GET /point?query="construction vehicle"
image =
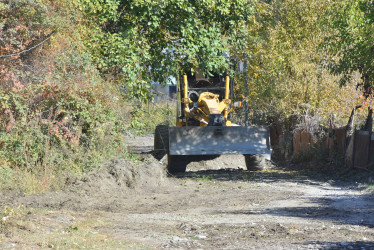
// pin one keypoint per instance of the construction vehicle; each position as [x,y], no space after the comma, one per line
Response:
[203,125]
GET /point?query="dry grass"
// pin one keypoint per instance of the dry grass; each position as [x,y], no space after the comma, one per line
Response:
[30,229]
[145,117]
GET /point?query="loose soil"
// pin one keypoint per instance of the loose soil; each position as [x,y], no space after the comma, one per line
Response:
[216,204]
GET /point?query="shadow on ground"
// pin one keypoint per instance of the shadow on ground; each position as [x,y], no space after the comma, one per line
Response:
[337,177]
[342,245]
[339,208]
[269,176]
[339,199]
[243,175]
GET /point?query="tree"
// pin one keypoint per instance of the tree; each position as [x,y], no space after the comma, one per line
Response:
[353,42]
[145,40]
[286,67]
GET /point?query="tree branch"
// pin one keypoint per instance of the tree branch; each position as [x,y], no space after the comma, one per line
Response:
[29,49]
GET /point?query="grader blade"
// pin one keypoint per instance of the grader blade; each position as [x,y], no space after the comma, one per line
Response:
[219,140]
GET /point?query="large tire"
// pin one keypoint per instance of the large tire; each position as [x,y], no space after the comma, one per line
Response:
[177,163]
[161,142]
[255,162]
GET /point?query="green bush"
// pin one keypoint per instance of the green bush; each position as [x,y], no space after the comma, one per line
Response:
[55,128]
[58,115]
[145,117]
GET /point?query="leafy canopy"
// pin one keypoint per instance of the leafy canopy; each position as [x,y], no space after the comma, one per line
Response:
[147,40]
[353,41]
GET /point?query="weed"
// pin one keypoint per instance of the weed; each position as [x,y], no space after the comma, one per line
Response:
[370,187]
[145,117]
[81,234]
[63,131]
[312,152]
[6,176]
[206,178]
[8,215]
[58,116]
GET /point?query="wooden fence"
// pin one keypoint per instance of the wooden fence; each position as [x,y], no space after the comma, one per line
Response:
[356,146]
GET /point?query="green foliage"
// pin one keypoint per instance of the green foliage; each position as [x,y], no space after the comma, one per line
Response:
[6,176]
[50,125]
[58,117]
[287,73]
[60,105]
[149,40]
[22,22]
[145,118]
[352,42]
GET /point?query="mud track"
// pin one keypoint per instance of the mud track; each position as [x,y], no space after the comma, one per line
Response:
[215,205]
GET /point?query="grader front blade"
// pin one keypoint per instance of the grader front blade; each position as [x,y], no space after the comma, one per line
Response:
[219,140]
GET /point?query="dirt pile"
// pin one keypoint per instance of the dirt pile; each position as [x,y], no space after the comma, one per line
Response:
[201,163]
[216,162]
[122,176]
[104,189]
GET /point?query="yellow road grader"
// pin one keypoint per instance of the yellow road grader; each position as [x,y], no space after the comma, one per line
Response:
[203,125]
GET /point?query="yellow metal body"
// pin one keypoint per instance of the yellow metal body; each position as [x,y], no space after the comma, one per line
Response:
[208,103]
[185,93]
[186,100]
[227,90]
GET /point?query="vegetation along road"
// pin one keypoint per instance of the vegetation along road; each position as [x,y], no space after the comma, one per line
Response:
[77,88]
[214,205]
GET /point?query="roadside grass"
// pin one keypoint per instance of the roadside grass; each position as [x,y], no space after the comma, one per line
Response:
[43,165]
[145,117]
[36,228]
[369,186]
[6,176]
[54,175]
[83,235]
[202,178]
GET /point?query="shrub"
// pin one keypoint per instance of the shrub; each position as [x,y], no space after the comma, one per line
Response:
[54,128]
[145,117]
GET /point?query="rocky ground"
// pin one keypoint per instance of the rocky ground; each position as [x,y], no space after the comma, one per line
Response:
[214,205]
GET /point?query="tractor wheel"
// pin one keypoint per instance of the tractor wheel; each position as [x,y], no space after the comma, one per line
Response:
[161,142]
[177,163]
[255,162]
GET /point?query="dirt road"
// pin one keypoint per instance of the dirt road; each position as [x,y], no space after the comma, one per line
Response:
[127,205]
